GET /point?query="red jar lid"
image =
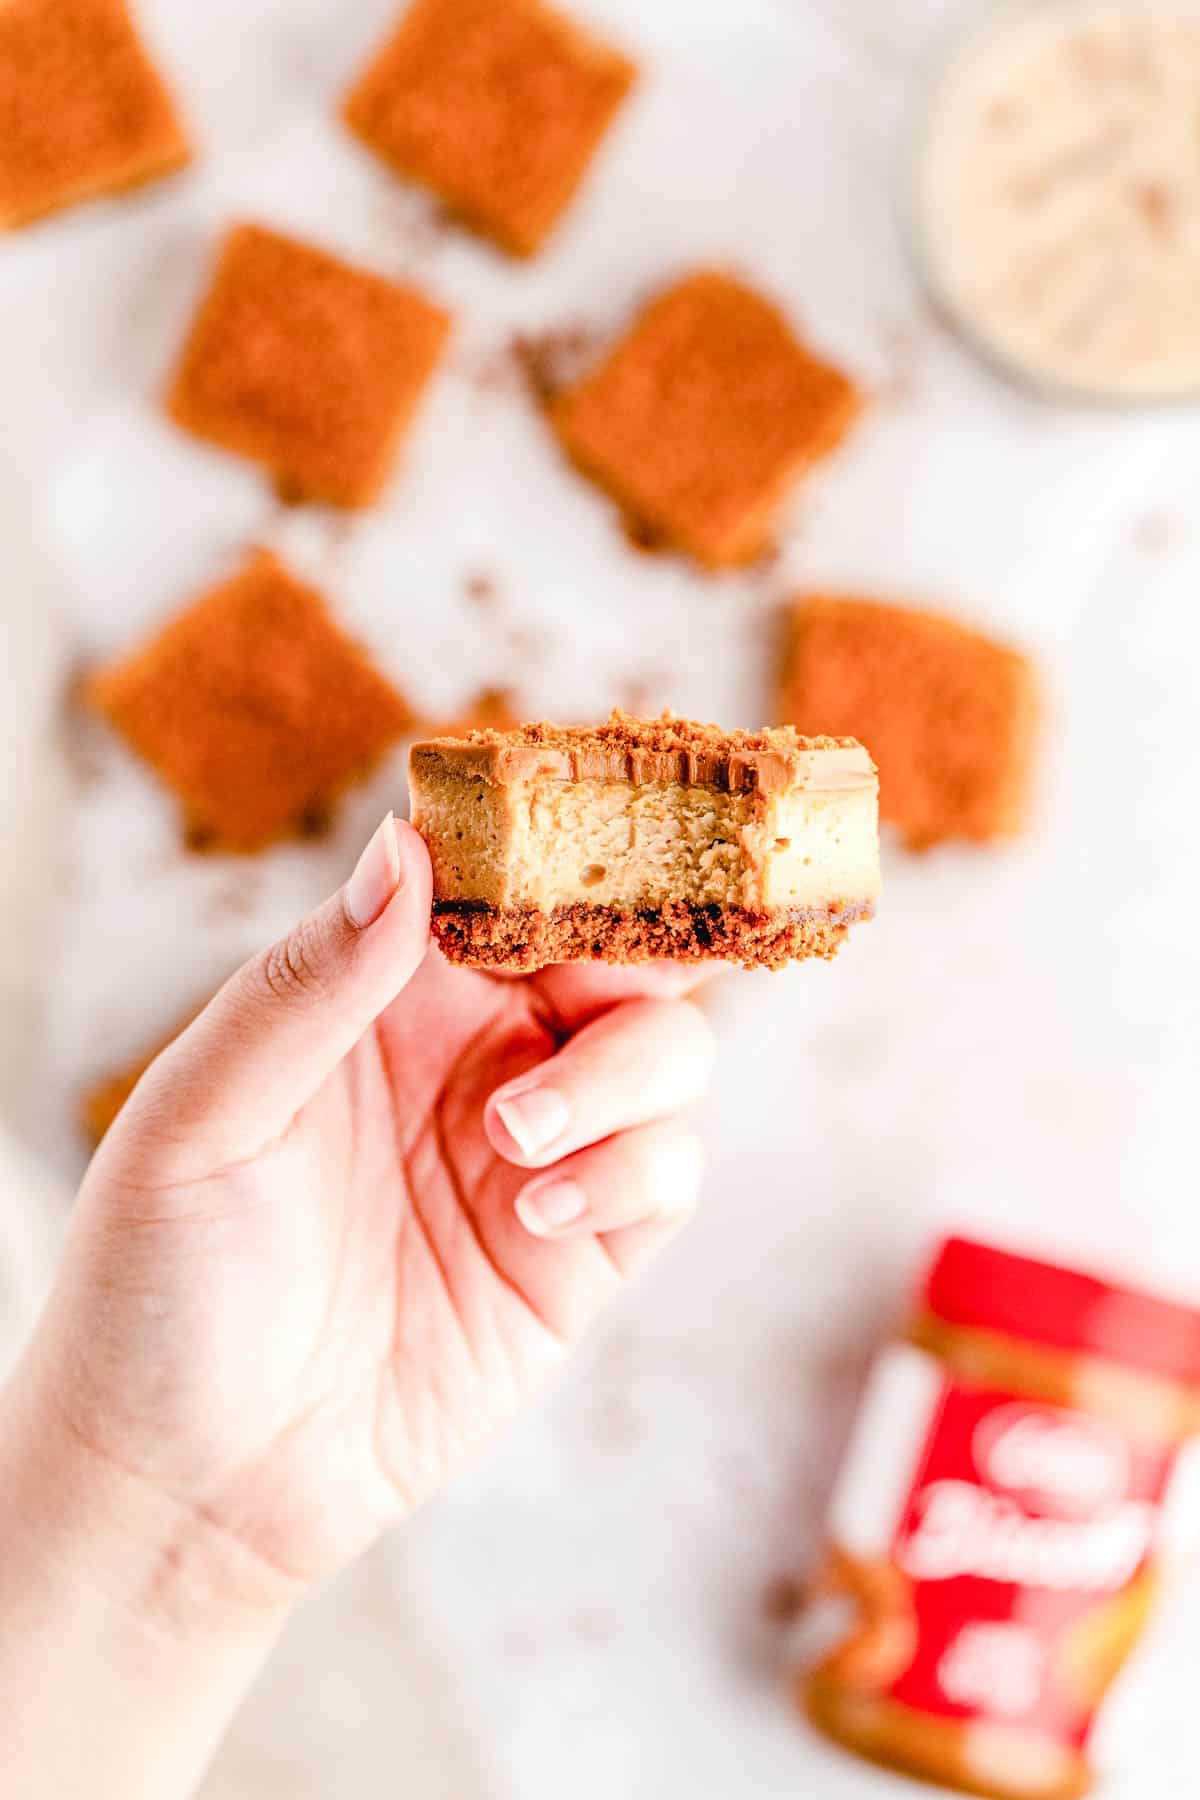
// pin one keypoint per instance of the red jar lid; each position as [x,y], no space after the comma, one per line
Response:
[980,1286]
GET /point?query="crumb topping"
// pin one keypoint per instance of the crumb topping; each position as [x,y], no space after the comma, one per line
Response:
[667,734]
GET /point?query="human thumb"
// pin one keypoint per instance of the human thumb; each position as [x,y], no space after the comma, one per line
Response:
[235,1079]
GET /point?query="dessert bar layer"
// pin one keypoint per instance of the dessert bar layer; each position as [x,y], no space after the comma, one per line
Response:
[642,839]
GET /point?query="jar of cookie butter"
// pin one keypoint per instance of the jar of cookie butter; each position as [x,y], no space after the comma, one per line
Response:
[1022,1476]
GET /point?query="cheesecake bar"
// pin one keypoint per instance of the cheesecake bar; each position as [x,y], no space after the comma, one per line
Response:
[496,105]
[254,707]
[83,110]
[645,838]
[307,365]
[701,417]
[949,712]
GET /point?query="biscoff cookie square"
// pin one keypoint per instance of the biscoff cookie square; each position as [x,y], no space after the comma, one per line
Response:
[498,106]
[254,707]
[83,110]
[703,414]
[307,365]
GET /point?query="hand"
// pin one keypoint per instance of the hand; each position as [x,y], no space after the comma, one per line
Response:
[353,1217]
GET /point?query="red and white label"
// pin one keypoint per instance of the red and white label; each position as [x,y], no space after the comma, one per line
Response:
[1021,1529]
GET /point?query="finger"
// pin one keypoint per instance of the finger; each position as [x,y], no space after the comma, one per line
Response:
[238,1075]
[649,1174]
[640,1061]
[631,1248]
[578,992]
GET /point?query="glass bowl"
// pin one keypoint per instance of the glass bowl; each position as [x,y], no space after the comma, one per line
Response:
[1053,204]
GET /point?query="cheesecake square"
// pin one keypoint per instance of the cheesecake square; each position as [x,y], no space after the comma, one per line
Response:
[703,414]
[307,365]
[254,707]
[950,713]
[83,110]
[498,106]
[645,838]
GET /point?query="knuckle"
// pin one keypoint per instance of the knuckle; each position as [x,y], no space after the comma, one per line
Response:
[674,1166]
[697,1040]
[291,967]
[703,1035]
[685,1021]
[685,1153]
[670,1152]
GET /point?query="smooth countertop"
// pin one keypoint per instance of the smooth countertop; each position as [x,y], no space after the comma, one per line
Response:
[1012,1046]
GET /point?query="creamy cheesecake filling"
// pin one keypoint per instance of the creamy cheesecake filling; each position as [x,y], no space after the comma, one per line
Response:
[551,843]
[616,844]
[822,846]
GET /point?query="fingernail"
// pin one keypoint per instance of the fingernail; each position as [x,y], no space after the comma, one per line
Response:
[376,877]
[535,1118]
[545,1210]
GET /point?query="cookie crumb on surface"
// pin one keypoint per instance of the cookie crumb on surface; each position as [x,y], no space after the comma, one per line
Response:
[481,590]
[1155,532]
[783,1600]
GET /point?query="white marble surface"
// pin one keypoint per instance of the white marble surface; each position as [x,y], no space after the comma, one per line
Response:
[1012,1046]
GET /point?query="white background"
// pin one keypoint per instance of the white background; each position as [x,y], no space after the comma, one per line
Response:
[1012,1046]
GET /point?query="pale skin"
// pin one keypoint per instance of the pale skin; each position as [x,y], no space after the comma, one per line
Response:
[346,1225]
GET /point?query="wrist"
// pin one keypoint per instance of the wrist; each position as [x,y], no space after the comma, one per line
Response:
[121,1610]
[152,1557]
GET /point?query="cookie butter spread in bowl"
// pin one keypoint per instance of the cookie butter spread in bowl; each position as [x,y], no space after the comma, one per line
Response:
[1057,194]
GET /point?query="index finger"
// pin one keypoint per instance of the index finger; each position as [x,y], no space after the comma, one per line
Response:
[576,992]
